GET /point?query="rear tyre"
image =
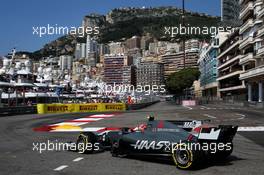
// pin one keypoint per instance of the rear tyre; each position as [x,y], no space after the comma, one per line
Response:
[85,143]
[183,157]
[114,150]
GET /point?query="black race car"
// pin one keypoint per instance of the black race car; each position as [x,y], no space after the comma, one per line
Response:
[187,142]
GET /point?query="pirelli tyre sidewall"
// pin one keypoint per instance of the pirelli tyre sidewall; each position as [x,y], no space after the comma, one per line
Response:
[84,139]
[183,158]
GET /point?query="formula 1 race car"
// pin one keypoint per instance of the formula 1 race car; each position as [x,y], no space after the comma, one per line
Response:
[188,142]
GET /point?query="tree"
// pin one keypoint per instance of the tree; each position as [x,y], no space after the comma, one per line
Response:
[181,80]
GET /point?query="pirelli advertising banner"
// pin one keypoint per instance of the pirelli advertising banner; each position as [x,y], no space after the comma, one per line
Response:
[89,107]
[113,106]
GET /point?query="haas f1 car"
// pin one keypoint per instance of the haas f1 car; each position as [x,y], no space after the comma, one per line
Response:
[188,143]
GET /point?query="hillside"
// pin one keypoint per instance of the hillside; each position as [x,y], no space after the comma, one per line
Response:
[127,22]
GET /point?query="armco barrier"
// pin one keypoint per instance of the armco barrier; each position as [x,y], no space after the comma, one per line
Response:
[7,111]
[140,105]
[90,107]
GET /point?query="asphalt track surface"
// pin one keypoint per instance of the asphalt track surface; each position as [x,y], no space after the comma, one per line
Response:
[18,157]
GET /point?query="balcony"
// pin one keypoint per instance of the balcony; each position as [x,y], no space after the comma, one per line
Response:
[241,1]
[258,71]
[260,52]
[246,25]
[232,88]
[231,74]
[260,31]
[228,49]
[245,42]
[261,13]
[246,58]
[249,7]
[230,61]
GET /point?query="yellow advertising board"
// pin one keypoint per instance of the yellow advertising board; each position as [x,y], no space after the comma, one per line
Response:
[89,107]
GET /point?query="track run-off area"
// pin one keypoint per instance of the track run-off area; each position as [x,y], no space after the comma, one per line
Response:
[20,136]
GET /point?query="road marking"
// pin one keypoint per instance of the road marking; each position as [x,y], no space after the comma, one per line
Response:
[60,167]
[248,129]
[78,159]
[205,107]
[74,125]
[70,123]
[188,107]
[210,116]
[242,116]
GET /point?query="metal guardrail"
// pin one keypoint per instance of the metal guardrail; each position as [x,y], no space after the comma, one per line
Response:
[140,105]
[21,110]
[8,111]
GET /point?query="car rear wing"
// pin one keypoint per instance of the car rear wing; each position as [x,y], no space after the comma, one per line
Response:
[188,125]
[222,133]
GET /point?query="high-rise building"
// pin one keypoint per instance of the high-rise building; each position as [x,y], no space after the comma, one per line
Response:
[116,48]
[129,75]
[77,53]
[229,69]
[230,12]
[208,66]
[114,67]
[65,62]
[252,48]
[174,62]
[149,74]
[91,51]
[83,50]
[133,43]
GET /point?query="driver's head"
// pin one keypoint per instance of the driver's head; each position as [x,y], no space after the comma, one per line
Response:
[151,118]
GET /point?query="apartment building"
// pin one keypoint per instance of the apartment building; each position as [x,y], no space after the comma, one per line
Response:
[230,12]
[149,73]
[208,66]
[114,66]
[129,75]
[252,48]
[229,69]
[174,62]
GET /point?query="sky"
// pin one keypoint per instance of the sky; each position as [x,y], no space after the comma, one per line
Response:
[18,17]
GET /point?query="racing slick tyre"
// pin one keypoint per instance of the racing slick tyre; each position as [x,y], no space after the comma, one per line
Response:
[85,143]
[183,157]
[116,151]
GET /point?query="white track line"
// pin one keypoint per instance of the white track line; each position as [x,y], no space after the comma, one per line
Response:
[242,116]
[88,119]
[78,159]
[70,123]
[93,129]
[248,129]
[209,116]
[102,115]
[60,167]
[205,107]
[188,107]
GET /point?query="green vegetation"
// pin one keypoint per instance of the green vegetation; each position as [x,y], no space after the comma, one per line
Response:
[121,24]
[181,80]
[155,26]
